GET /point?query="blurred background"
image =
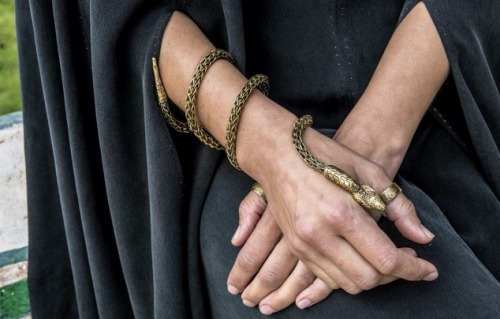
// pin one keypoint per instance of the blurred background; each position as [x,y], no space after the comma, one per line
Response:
[10,98]
[14,302]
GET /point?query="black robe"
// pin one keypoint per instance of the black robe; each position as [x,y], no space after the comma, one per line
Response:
[115,196]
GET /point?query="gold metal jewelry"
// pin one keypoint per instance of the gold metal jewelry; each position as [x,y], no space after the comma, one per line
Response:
[257,81]
[200,72]
[362,194]
[257,189]
[390,193]
[163,101]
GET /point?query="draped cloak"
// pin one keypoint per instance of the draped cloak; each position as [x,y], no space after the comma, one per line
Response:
[115,196]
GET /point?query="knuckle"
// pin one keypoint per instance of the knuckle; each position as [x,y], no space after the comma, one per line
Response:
[407,207]
[305,278]
[388,263]
[246,208]
[340,218]
[353,289]
[247,261]
[331,285]
[370,281]
[378,172]
[270,224]
[272,277]
[373,174]
[308,232]
[336,215]
[296,245]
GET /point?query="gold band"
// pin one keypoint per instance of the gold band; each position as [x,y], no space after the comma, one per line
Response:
[163,101]
[200,72]
[362,194]
[257,81]
[257,189]
[390,193]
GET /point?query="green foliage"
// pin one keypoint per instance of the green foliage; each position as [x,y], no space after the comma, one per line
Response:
[14,302]
[10,97]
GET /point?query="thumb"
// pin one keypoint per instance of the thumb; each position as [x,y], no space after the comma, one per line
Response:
[251,209]
[402,212]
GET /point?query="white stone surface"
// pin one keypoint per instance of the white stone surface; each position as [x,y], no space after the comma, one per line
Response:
[13,208]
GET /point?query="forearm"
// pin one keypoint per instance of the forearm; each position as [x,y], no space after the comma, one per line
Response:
[264,132]
[183,47]
[307,207]
[409,75]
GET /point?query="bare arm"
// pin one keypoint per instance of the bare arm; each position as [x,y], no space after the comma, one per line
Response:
[183,46]
[318,219]
[381,126]
[408,77]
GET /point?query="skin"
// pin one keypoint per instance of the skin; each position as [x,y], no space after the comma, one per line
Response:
[410,73]
[309,218]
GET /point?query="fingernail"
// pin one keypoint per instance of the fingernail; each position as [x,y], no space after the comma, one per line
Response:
[431,277]
[427,232]
[266,310]
[248,303]
[236,233]
[232,290]
[304,303]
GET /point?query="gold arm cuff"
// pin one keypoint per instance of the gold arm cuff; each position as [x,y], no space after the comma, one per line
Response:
[161,95]
[199,74]
[257,81]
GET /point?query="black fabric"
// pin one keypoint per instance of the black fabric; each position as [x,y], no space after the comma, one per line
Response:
[115,198]
[465,288]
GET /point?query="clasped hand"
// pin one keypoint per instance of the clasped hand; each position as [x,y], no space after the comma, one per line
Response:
[312,237]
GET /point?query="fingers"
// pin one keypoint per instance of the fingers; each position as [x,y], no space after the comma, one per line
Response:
[346,267]
[390,260]
[380,252]
[304,288]
[298,281]
[316,292]
[271,276]
[351,240]
[251,209]
[254,253]
[402,212]
[343,265]
[276,286]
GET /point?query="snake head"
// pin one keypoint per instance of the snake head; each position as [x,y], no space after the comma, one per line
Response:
[368,198]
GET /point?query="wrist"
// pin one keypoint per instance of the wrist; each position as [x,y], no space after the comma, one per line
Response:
[264,136]
[383,146]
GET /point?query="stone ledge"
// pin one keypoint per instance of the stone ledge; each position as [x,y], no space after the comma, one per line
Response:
[13,273]
[10,119]
[14,301]
[13,208]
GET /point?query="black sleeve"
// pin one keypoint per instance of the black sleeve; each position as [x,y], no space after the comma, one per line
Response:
[470,32]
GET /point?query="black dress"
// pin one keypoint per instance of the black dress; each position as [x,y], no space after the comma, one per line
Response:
[130,219]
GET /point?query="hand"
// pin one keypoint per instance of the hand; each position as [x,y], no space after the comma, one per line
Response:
[281,279]
[280,263]
[322,225]
[345,273]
